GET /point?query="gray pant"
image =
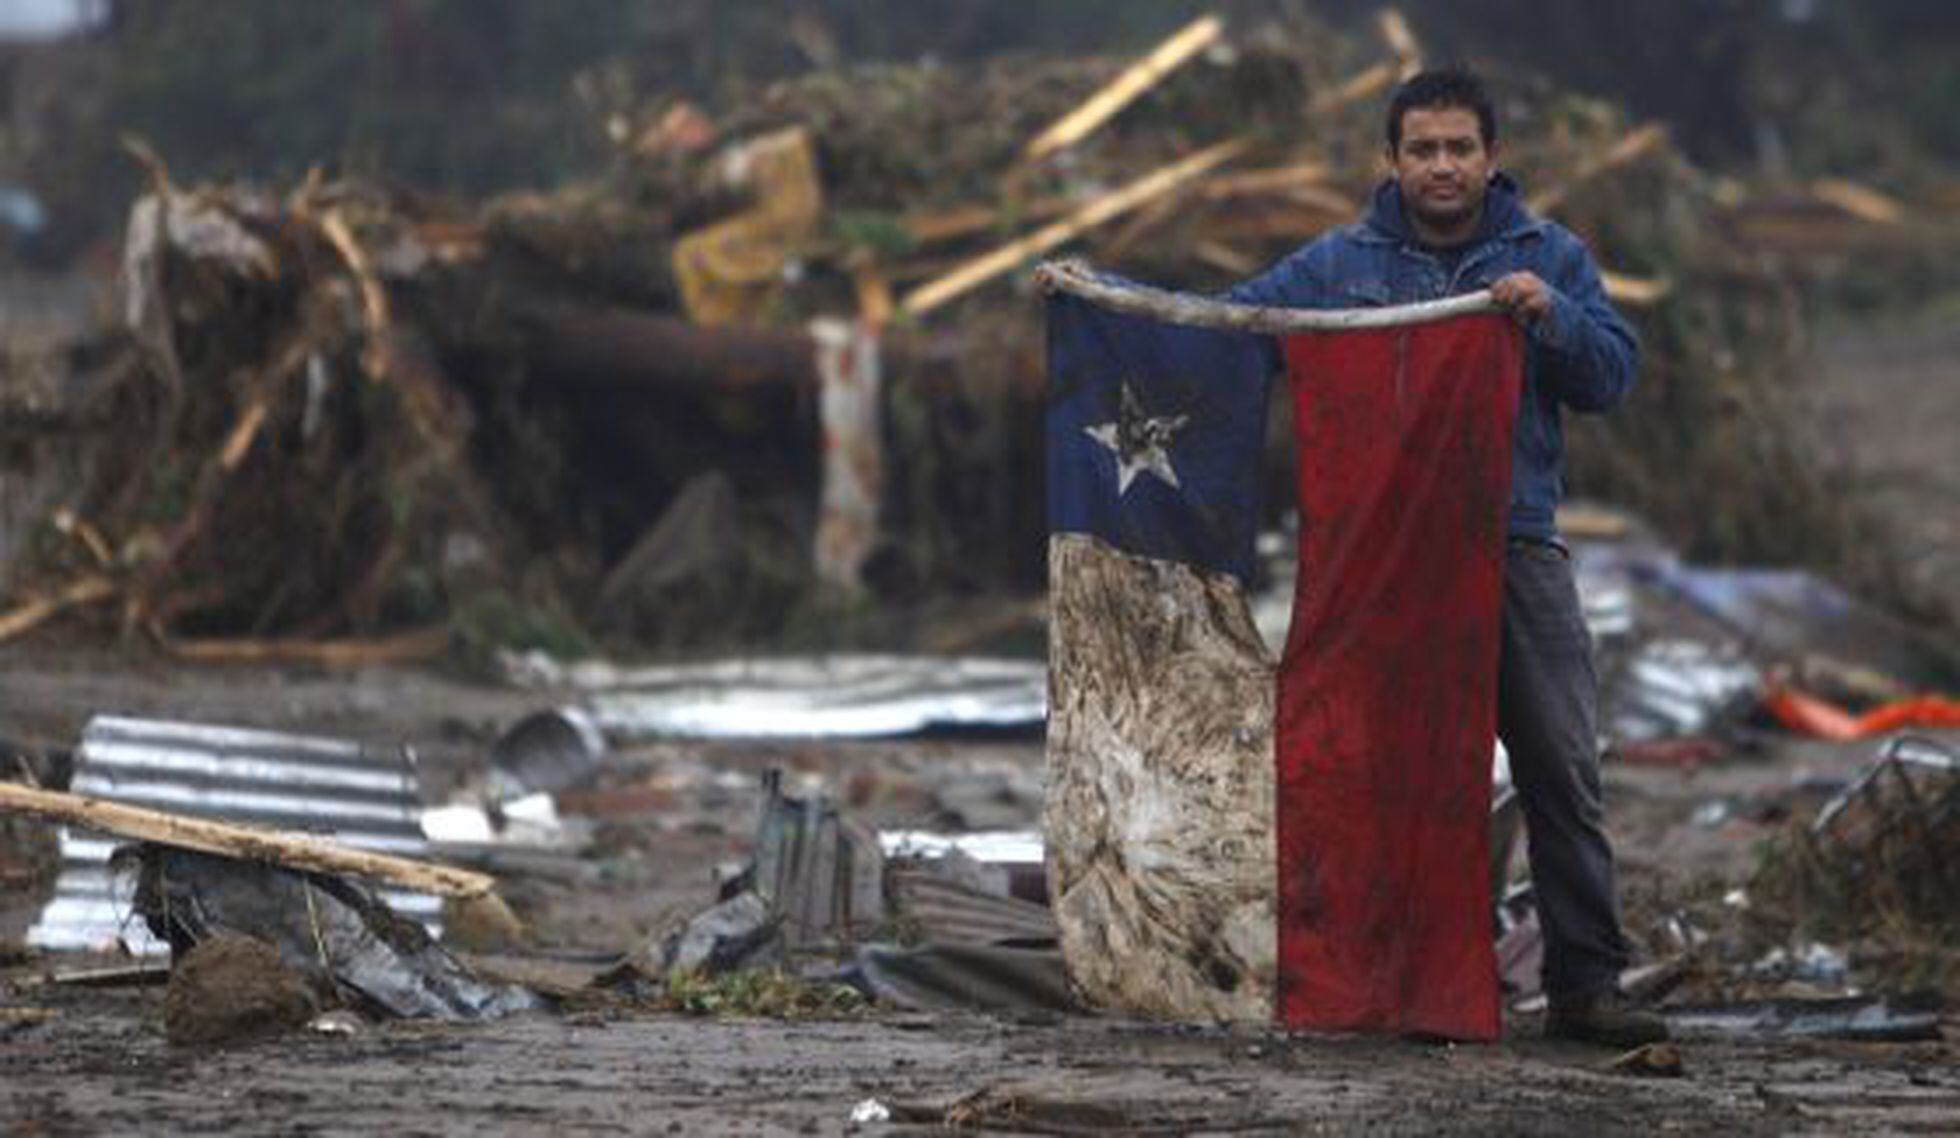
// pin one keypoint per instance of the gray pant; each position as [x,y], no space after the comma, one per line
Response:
[1547,712]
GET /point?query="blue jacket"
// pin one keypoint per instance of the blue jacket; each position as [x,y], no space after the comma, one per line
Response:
[1581,356]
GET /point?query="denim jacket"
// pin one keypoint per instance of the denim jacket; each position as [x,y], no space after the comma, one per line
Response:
[1582,355]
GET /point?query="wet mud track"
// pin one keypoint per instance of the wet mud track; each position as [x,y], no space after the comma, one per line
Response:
[101,1066]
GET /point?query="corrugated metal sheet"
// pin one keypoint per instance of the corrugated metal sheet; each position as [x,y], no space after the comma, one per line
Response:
[365,797]
[821,696]
[947,911]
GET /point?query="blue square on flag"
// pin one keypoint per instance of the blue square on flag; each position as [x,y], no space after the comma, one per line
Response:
[1155,435]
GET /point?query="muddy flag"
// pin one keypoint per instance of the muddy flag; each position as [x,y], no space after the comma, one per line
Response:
[1303,839]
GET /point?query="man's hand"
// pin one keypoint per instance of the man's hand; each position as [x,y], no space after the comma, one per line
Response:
[1526,298]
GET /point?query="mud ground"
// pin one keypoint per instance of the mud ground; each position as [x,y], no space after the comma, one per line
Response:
[91,1061]
[101,1066]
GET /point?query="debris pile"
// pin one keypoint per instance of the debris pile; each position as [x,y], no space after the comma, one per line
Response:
[1878,866]
[356,421]
[910,920]
[327,929]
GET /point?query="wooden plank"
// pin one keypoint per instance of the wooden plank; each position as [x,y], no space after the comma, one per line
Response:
[243,842]
[1120,92]
[986,267]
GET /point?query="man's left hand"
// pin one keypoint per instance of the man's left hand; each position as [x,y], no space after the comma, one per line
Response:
[1525,297]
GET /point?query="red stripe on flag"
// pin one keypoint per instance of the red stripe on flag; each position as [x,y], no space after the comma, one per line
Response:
[1387,705]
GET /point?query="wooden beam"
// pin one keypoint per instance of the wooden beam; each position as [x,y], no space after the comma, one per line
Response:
[1005,259]
[243,842]
[1120,92]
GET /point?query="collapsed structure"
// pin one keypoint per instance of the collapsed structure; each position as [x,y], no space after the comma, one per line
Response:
[781,355]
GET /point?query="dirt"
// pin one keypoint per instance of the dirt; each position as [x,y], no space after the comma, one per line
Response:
[85,1061]
[231,988]
[103,1066]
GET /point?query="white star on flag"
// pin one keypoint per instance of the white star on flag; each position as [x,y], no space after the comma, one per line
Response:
[1140,443]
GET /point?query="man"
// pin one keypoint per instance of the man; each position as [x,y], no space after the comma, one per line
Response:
[1448,221]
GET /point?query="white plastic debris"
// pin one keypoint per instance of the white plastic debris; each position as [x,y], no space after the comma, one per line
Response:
[871,1110]
[457,825]
[339,1022]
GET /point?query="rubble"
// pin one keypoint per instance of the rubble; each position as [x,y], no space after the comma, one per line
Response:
[546,752]
[402,391]
[956,976]
[213,773]
[346,942]
[1876,860]
[791,408]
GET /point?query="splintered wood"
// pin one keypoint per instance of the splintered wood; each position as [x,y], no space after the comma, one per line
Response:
[1008,257]
[1126,88]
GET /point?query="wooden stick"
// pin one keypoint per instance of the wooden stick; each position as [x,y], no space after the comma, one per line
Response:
[421,644]
[1120,92]
[1272,180]
[1637,291]
[239,443]
[1115,245]
[1401,40]
[1362,85]
[1219,255]
[965,221]
[1114,204]
[1630,146]
[243,842]
[374,298]
[1861,202]
[82,591]
[70,524]
[1204,312]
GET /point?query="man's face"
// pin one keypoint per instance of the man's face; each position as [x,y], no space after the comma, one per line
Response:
[1442,165]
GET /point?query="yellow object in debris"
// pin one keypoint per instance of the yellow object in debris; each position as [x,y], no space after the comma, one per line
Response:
[731,270]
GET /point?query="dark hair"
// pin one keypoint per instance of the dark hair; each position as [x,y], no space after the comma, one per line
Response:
[1446,87]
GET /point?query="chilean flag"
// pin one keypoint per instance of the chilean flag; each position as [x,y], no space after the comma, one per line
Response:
[1300,841]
